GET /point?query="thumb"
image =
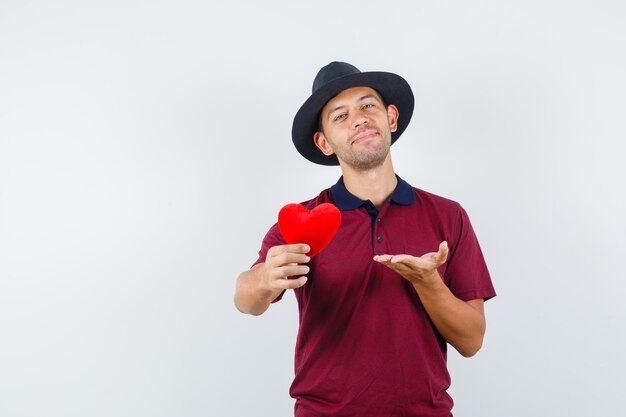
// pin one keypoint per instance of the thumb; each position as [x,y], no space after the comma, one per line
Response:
[442,253]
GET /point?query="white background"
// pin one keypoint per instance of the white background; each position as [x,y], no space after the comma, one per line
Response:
[145,149]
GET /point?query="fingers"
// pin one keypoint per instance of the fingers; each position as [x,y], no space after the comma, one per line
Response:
[279,256]
[403,259]
[390,262]
[284,261]
[279,277]
[383,258]
[293,248]
[289,271]
[290,284]
[394,259]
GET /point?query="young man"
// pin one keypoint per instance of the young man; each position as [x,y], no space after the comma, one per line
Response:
[403,277]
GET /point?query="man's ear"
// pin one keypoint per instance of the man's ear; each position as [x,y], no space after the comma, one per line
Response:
[322,143]
[392,115]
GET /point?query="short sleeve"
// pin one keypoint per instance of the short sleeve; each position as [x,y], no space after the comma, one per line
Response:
[272,238]
[467,275]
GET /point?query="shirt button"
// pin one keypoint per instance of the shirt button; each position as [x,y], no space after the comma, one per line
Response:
[378,220]
[379,239]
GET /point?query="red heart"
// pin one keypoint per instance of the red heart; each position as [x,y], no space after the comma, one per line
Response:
[315,227]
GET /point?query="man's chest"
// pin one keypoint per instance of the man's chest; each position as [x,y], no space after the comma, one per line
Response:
[346,266]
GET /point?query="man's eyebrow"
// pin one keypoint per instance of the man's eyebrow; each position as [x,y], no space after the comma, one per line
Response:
[365,97]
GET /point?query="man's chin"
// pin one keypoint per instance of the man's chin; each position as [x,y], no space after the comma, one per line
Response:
[365,164]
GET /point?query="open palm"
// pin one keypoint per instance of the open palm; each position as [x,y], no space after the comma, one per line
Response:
[415,268]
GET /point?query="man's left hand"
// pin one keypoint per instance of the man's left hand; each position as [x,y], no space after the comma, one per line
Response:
[418,270]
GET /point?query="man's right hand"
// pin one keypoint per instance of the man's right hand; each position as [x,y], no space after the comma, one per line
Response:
[282,262]
[260,285]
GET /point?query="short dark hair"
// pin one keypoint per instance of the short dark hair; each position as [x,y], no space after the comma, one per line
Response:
[320,128]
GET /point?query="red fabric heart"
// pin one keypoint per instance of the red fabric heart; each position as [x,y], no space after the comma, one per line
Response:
[315,227]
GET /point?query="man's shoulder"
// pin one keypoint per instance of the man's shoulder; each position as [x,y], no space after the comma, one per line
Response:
[325,196]
[428,199]
[444,211]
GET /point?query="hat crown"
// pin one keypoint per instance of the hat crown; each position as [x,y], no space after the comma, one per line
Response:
[331,72]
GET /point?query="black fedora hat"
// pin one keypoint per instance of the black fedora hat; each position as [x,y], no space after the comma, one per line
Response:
[330,81]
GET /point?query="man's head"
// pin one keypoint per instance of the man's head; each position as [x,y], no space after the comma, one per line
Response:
[333,81]
[356,126]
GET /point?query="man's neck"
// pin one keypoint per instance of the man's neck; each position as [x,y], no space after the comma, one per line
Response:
[375,185]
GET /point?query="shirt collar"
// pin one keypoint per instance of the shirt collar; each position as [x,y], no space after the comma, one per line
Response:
[403,195]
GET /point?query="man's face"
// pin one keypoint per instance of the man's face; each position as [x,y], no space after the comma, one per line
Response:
[357,128]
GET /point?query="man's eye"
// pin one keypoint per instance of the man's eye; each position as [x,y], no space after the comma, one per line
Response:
[368,106]
[340,117]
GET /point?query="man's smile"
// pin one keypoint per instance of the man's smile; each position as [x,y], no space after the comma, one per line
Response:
[363,136]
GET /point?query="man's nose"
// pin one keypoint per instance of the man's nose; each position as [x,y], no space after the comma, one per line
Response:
[359,120]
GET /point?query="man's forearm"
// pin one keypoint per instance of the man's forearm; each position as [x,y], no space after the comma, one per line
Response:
[460,323]
[250,297]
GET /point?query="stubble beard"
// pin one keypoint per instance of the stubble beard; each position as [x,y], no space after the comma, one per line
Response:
[365,159]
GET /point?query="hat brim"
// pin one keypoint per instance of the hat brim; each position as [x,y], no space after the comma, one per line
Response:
[393,88]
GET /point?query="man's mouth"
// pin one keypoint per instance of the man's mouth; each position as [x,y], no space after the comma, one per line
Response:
[363,136]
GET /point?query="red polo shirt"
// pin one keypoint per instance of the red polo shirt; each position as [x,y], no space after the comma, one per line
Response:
[366,346]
